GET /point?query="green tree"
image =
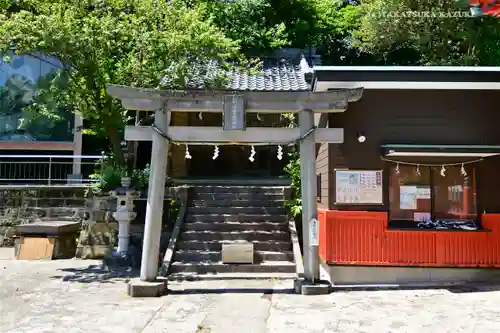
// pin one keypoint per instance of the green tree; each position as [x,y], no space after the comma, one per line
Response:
[249,22]
[129,42]
[337,22]
[261,26]
[428,32]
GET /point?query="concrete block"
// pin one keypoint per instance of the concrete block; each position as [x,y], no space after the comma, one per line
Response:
[297,285]
[237,253]
[316,289]
[138,288]
[45,248]
[364,276]
[305,287]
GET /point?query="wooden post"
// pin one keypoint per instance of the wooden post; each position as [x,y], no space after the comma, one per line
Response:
[156,194]
[77,147]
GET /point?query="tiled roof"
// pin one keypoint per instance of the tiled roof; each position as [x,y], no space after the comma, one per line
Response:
[276,75]
[280,75]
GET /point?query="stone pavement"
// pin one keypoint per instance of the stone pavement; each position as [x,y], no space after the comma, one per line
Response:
[74,296]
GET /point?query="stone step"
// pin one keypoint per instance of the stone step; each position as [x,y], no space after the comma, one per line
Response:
[197,256]
[235,226]
[251,235]
[238,196]
[237,203]
[235,217]
[216,245]
[219,267]
[231,276]
[237,210]
[240,189]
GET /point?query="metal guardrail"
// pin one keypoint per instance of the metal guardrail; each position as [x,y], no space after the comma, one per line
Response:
[47,170]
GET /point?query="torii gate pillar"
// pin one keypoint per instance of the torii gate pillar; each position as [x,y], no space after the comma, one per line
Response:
[308,191]
[156,196]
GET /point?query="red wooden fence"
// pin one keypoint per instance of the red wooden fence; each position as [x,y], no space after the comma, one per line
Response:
[362,238]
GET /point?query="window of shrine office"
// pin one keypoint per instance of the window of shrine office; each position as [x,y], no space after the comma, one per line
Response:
[432,197]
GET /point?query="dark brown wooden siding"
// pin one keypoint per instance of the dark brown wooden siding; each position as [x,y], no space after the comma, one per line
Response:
[322,172]
[419,117]
[422,75]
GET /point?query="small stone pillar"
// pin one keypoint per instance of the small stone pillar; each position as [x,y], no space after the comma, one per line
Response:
[124,214]
[97,237]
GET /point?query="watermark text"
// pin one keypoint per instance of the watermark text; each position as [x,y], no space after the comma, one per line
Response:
[421,14]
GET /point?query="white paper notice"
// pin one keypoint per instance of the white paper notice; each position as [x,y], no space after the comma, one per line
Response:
[408,197]
[314,232]
[363,187]
[421,217]
[423,193]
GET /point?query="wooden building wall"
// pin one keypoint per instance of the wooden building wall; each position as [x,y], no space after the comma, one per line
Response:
[323,174]
[416,117]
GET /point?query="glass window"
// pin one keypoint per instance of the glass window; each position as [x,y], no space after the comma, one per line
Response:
[454,195]
[20,81]
[422,194]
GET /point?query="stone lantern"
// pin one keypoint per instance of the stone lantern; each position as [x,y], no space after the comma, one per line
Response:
[124,213]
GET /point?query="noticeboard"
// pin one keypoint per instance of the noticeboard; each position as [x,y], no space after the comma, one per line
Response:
[358,187]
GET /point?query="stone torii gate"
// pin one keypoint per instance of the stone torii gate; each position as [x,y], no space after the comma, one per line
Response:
[234,105]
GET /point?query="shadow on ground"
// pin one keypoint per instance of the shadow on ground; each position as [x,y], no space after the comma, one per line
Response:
[480,288]
[203,291]
[96,273]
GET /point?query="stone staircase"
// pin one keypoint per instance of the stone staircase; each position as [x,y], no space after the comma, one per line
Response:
[220,214]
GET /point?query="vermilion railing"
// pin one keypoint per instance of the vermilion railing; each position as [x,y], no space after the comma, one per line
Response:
[362,238]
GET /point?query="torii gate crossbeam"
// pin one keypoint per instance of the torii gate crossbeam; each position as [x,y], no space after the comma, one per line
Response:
[237,103]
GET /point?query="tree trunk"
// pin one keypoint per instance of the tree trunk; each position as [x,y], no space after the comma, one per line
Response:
[112,121]
[115,141]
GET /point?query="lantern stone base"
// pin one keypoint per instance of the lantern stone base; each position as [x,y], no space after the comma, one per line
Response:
[117,259]
[138,288]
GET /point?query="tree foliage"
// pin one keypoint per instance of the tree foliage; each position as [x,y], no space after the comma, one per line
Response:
[249,22]
[369,32]
[129,42]
[261,26]
[426,32]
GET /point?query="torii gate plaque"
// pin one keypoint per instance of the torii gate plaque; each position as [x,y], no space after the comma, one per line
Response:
[161,102]
[233,113]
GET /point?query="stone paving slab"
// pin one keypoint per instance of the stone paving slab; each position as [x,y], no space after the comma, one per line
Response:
[76,296]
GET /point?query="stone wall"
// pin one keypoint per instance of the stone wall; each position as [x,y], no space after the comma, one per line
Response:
[32,205]
[22,206]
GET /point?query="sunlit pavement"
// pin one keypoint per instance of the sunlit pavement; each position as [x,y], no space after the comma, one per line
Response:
[77,296]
